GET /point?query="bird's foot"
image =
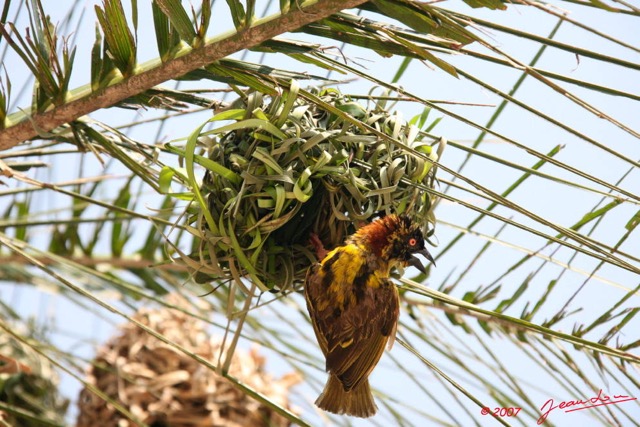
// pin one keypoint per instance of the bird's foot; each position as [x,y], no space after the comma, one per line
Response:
[317,244]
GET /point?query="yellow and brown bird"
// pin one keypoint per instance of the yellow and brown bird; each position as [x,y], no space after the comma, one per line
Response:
[354,307]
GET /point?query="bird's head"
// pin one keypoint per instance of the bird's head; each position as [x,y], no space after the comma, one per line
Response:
[395,239]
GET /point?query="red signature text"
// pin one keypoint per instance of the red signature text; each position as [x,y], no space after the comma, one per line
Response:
[577,405]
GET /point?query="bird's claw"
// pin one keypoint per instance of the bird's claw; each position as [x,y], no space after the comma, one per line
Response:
[317,244]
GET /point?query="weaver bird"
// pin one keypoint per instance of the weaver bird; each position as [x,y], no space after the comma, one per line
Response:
[354,307]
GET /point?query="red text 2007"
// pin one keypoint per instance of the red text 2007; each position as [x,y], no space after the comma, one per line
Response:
[501,412]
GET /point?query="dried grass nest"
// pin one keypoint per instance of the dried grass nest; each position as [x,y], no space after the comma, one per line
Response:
[162,386]
[302,162]
[29,394]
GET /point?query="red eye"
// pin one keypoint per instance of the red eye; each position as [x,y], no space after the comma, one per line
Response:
[413,242]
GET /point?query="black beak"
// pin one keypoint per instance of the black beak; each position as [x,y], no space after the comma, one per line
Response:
[415,262]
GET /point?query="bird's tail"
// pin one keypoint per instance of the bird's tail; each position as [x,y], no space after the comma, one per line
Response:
[357,402]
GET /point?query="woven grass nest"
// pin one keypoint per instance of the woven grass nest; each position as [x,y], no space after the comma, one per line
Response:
[29,395]
[302,162]
[162,386]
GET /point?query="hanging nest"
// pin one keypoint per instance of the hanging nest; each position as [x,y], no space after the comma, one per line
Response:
[287,167]
[29,394]
[164,387]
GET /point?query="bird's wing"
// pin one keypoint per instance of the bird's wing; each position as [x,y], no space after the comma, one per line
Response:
[313,293]
[357,340]
[353,312]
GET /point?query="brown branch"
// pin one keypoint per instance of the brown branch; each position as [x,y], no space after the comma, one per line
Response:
[247,38]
